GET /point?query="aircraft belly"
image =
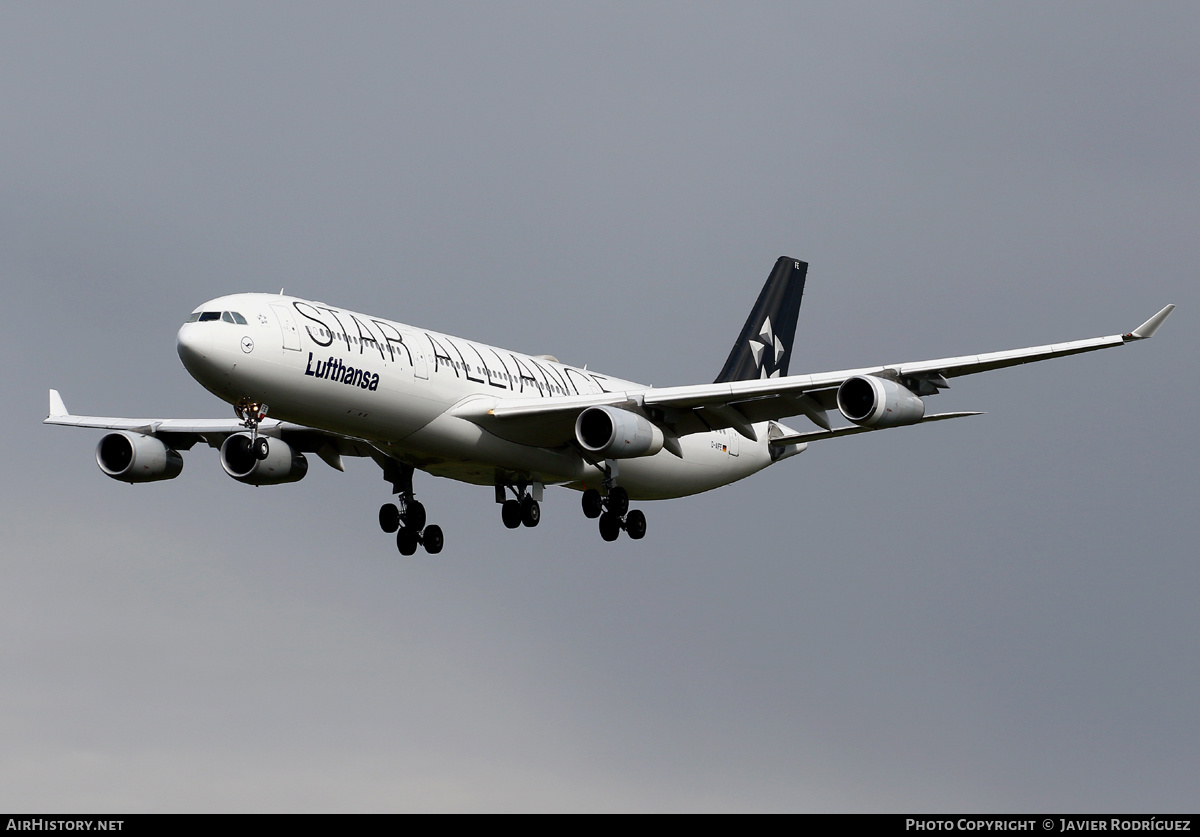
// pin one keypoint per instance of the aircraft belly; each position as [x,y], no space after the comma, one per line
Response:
[707,463]
[451,446]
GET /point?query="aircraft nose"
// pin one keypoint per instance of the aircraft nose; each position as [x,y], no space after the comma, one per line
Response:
[194,344]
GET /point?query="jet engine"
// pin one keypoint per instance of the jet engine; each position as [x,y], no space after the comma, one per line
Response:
[281,465]
[134,457]
[614,433]
[877,402]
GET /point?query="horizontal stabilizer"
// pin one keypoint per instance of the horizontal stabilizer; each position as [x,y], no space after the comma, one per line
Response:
[817,435]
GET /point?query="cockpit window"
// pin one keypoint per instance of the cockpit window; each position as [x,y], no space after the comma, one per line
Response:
[225,316]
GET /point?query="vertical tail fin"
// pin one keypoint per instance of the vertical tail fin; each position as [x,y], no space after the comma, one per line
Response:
[764,348]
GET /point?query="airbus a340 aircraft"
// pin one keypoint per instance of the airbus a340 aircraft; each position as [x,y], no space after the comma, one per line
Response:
[341,384]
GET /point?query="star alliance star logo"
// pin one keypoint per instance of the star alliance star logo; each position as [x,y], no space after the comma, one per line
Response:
[762,347]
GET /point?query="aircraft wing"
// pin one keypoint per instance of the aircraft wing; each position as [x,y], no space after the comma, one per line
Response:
[182,434]
[739,404]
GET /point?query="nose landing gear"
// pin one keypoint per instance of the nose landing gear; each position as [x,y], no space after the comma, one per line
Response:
[252,413]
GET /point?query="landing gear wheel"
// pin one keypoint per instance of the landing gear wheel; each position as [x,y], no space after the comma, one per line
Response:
[432,538]
[414,515]
[261,449]
[510,513]
[593,504]
[531,512]
[635,525]
[406,541]
[618,501]
[389,518]
[610,526]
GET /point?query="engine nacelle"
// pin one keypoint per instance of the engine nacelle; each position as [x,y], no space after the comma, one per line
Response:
[617,434]
[877,402]
[134,457]
[281,465]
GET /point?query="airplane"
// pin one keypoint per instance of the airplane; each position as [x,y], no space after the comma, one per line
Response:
[338,383]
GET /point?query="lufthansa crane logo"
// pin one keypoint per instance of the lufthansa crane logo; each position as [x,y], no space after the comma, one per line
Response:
[247,344]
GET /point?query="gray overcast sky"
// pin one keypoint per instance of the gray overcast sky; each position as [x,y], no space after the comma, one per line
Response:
[997,614]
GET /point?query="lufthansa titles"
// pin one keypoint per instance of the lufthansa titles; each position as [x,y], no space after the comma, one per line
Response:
[338,372]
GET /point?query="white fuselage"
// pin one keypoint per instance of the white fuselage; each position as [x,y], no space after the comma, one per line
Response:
[398,387]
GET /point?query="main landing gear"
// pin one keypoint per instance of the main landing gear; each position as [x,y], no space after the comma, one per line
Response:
[407,517]
[613,511]
[524,509]
[408,522]
[252,413]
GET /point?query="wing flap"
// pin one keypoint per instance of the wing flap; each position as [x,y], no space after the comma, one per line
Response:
[818,435]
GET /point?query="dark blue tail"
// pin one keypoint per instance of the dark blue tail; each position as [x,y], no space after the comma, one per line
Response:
[764,348]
